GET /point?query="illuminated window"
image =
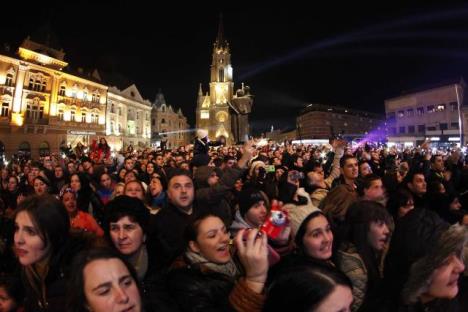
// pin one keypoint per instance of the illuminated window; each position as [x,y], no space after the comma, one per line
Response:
[401,114]
[204,114]
[410,112]
[60,114]
[441,107]
[62,90]
[35,110]
[9,80]
[420,111]
[430,109]
[72,115]
[83,117]
[5,109]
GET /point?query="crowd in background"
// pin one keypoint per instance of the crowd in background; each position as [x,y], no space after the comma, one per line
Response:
[365,228]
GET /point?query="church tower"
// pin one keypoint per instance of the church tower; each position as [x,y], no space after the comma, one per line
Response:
[222,111]
[213,108]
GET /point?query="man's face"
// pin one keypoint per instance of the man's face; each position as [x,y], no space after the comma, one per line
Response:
[350,169]
[319,170]
[129,164]
[438,164]
[418,184]
[58,172]
[180,192]
[376,191]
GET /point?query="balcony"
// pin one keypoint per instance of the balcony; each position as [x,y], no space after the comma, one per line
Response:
[7,90]
[69,101]
[36,121]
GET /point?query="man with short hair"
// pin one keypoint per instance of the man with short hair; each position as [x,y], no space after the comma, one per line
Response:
[373,189]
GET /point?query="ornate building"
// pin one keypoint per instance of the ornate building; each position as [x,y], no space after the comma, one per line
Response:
[43,104]
[169,127]
[221,111]
[128,118]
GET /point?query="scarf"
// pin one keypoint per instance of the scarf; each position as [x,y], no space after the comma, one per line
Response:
[159,200]
[36,275]
[139,261]
[230,269]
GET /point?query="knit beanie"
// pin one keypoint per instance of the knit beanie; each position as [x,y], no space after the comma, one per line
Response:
[297,213]
[248,198]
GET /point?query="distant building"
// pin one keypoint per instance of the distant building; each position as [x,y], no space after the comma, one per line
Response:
[318,121]
[438,113]
[221,111]
[45,105]
[169,126]
[128,118]
[281,135]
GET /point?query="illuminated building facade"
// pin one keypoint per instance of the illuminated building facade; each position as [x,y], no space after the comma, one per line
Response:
[221,111]
[45,106]
[127,118]
[169,126]
[437,113]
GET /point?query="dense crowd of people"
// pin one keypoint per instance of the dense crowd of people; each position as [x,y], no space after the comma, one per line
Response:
[258,227]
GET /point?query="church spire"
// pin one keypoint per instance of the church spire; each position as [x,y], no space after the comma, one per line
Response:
[220,41]
[200,92]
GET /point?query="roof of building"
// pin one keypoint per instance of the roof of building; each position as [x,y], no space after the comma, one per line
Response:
[339,110]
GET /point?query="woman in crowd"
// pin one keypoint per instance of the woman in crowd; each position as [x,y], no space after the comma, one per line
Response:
[10,194]
[314,245]
[155,195]
[106,188]
[310,289]
[127,228]
[44,247]
[206,277]
[134,188]
[79,220]
[41,185]
[400,204]
[86,198]
[118,190]
[433,283]
[103,282]
[366,235]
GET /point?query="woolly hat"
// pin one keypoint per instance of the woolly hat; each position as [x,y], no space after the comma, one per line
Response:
[202,133]
[202,174]
[254,165]
[248,198]
[452,241]
[297,213]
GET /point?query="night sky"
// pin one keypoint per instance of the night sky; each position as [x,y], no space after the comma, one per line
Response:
[350,55]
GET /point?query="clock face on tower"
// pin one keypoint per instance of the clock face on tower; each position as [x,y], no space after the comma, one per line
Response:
[221,116]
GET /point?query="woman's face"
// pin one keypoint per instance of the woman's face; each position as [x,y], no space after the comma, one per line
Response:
[339,300]
[149,168]
[444,281]
[155,187]
[119,190]
[106,181]
[127,236]
[257,214]
[75,183]
[12,184]
[29,245]
[122,173]
[318,238]
[109,287]
[212,241]
[134,189]
[40,187]
[378,235]
[69,201]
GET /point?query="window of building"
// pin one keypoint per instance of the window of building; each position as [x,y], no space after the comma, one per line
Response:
[221,75]
[390,117]
[94,118]
[153,122]
[83,117]
[453,106]
[43,85]
[5,109]
[96,97]
[454,125]
[402,129]
[137,130]
[441,107]
[120,128]
[410,112]
[85,96]
[411,129]
[432,128]
[401,114]
[443,126]
[163,121]
[147,117]
[393,130]
[35,110]
[9,80]
[120,111]
[421,128]
[420,111]
[112,125]
[137,115]
[62,90]
[72,115]
[204,114]
[112,108]
[430,109]
[60,114]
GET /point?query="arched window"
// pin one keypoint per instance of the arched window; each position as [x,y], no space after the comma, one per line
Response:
[44,149]
[5,109]
[9,80]
[24,149]
[62,90]
[163,121]
[35,109]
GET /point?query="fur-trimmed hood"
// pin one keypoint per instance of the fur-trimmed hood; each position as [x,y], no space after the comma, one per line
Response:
[452,241]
